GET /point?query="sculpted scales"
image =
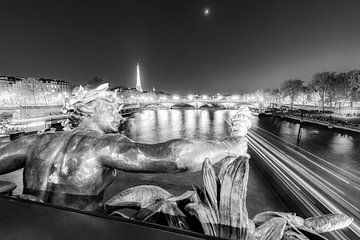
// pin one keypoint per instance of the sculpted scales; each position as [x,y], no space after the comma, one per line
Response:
[74,167]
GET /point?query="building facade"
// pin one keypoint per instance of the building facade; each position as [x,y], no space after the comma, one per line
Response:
[21,91]
[42,84]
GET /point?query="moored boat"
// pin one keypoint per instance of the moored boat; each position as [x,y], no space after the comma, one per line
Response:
[262,112]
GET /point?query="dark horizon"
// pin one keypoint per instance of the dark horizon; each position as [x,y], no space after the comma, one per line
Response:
[239,47]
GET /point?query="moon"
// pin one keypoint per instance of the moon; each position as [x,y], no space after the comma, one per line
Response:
[206,11]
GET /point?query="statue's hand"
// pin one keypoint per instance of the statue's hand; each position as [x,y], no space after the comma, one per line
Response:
[240,122]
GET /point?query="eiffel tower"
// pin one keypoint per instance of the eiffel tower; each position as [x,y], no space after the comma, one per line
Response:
[138,81]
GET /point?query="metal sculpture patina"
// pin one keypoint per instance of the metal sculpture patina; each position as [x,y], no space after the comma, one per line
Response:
[73,168]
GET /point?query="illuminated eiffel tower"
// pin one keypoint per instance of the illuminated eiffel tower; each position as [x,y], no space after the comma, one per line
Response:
[138,81]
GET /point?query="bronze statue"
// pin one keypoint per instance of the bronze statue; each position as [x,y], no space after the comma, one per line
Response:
[73,168]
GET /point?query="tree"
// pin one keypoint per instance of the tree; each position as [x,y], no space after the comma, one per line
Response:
[276,93]
[268,98]
[353,78]
[313,96]
[259,96]
[322,82]
[340,88]
[292,88]
[306,94]
[94,82]
[30,88]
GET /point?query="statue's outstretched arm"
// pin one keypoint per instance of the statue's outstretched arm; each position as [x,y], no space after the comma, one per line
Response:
[13,154]
[179,155]
[172,156]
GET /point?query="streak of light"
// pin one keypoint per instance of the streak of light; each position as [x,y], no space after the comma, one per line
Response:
[312,175]
[349,174]
[307,186]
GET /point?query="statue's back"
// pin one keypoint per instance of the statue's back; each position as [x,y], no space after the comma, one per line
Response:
[63,168]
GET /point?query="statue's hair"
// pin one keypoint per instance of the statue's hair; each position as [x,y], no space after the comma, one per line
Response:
[82,102]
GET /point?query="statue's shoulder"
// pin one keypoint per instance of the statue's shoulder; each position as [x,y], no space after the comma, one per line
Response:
[84,133]
[27,138]
[91,135]
[48,136]
[118,137]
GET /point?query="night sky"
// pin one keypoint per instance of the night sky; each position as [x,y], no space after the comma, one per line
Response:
[240,46]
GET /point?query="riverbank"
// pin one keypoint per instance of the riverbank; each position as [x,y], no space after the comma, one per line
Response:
[24,112]
[343,111]
[320,120]
[25,120]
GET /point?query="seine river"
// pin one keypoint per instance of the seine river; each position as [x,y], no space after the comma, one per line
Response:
[333,156]
[340,148]
[150,126]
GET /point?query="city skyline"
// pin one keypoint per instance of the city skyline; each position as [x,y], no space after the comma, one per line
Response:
[182,47]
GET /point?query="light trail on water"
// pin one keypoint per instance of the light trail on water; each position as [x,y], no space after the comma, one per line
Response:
[324,161]
[297,165]
[315,185]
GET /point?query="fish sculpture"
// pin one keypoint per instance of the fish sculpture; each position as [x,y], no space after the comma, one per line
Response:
[271,230]
[293,235]
[6,188]
[137,197]
[291,218]
[328,223]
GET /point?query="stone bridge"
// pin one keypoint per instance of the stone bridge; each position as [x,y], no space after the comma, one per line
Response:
[193,104]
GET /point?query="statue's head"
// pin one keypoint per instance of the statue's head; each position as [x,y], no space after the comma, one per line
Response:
[99,105]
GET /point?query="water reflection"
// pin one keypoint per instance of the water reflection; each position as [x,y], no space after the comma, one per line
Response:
[219,122]
[158,126]
[204,125]
[176,123]
[342,144]
[162,124]
[190,124]
[145,125]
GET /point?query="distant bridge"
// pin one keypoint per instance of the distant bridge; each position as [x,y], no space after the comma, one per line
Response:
[198,104]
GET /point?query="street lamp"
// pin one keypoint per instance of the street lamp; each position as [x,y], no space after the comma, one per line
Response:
[176,98]
[235,98]
[204,97]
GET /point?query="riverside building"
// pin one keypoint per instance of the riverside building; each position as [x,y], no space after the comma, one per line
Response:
[29,91]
